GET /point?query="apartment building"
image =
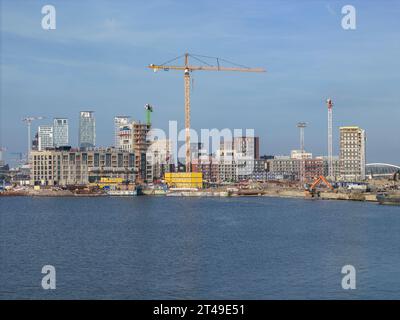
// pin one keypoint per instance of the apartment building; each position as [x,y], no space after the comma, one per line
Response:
[283,168]
[352,153]
[87,130]
[72,167]
[60,132]
[45,137]
[119,123]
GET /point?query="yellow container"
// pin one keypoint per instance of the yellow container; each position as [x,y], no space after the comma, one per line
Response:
[184,179]
[111,180]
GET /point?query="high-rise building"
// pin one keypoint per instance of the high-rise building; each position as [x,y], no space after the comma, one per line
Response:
[119,123]
[45,137]
[60,132]
[246,150]
[87,130]
[140,146]
[352,153]
[134,137]
[35,142]
[247,146]
[125,138]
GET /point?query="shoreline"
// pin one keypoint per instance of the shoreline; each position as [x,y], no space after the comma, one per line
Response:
[275,193]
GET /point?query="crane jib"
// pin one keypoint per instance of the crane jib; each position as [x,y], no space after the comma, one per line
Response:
[187,68]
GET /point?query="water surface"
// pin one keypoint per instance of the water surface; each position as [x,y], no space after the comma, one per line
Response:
[197,248]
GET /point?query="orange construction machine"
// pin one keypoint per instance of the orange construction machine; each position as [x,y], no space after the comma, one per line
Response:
[311,191]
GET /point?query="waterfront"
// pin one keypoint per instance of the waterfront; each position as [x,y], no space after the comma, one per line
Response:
[198,248]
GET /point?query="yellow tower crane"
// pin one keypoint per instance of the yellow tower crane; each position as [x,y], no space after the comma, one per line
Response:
[187,68]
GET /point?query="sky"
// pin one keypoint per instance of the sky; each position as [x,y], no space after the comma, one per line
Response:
[96,60]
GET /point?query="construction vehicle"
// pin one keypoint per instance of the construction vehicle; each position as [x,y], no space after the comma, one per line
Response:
[187,69]
[311,191]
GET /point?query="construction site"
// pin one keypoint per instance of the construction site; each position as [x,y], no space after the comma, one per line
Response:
[189,179]
[135,165]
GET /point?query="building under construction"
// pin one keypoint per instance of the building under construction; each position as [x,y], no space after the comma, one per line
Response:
[133,137]
[187,69]
[140,145]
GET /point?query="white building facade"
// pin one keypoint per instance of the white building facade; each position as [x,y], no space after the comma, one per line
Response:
[45,137]
[119,122]
[352,153]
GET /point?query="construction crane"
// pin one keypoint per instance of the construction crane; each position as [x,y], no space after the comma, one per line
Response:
[28,121]
[187,68]
[149,110]
[329,104]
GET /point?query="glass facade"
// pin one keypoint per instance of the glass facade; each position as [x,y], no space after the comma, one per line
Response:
[60,132]
[87,130]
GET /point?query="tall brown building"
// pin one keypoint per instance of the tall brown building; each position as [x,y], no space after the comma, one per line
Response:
[140,146]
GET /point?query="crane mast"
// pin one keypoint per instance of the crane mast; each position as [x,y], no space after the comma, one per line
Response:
[187,115]
[187,120]
[187,68]
[28,121]
[329,104]
[149,110]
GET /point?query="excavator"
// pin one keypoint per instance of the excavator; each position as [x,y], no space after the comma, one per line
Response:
[311,191]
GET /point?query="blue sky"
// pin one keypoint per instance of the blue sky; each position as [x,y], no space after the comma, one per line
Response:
[96,59]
